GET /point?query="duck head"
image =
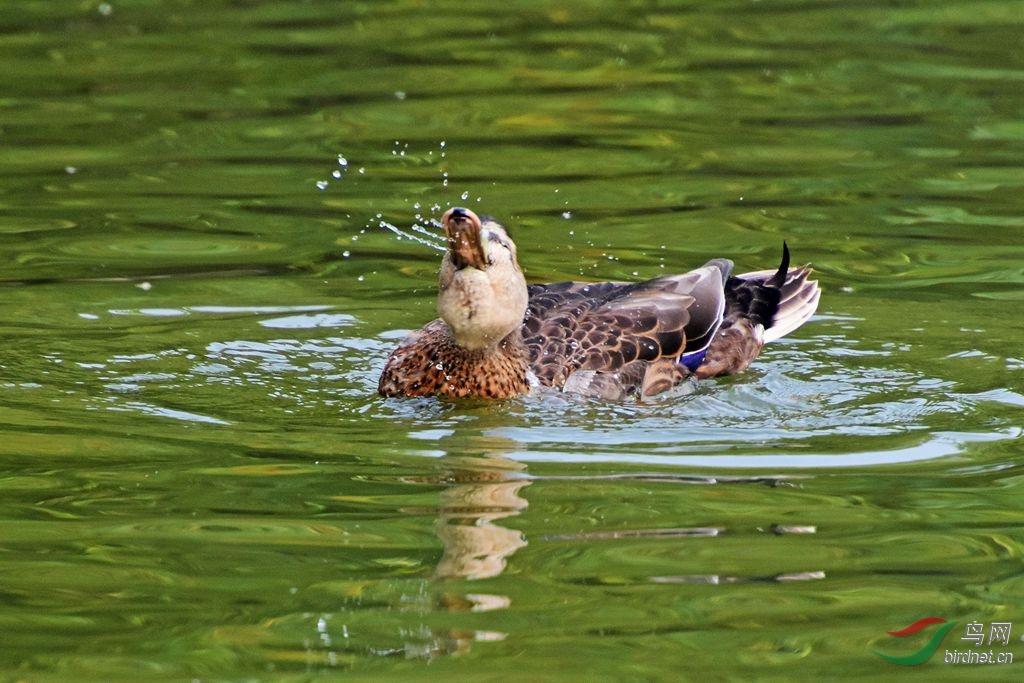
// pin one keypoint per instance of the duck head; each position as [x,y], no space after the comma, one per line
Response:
[483,293]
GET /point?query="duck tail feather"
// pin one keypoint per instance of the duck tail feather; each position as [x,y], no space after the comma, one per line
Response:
[798,301]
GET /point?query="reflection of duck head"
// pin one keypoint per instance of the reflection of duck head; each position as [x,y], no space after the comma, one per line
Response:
[475,547]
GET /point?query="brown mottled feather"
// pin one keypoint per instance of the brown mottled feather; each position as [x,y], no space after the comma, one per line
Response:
[734,348]
[601,329]
[430,363]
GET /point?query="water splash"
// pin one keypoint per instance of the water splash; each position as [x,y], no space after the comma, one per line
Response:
[413,234]
[337,174]
[423,230]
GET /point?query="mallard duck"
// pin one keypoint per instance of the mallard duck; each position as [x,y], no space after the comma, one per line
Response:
[498,337]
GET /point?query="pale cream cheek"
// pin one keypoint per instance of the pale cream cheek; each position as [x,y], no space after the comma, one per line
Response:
[515,300]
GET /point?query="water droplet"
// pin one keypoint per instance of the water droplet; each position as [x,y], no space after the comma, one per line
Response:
[336,173]
[321,184]
[342,161]
[105,9]
[362,171]
[360,278]
[346,253]
[70,170]
[464,195]
[567,215]
[400,95]
[439,366]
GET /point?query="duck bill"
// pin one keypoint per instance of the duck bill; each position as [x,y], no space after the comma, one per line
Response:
[462,227]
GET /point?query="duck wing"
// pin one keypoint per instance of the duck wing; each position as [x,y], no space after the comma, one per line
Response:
[612,339]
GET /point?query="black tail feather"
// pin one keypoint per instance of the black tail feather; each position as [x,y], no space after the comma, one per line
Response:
[782,273]
[756,299]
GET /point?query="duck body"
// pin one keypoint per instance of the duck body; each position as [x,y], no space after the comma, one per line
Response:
[497,336]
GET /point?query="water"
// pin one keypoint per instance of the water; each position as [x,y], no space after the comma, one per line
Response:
[200,482]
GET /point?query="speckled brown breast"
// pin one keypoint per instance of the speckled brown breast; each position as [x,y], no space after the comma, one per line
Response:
[429,363]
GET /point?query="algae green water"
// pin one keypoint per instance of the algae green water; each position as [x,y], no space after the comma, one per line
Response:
[199,481]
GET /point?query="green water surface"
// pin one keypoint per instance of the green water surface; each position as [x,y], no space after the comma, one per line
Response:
[199,481]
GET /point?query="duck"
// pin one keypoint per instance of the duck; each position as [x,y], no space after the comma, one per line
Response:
[498,337]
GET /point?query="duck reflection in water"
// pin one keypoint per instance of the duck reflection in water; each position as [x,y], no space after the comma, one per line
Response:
[480,491]
[474,546]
